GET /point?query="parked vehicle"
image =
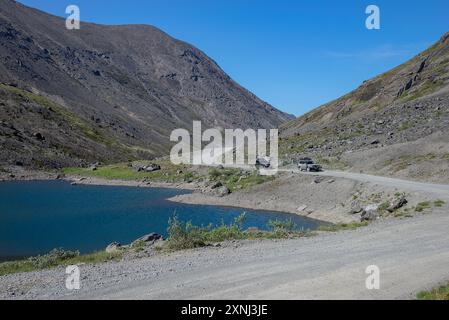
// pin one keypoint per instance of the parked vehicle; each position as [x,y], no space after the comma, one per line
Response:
[307,164]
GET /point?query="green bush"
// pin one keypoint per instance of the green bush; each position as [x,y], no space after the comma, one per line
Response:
[439,203]
[214,174]
[185,235]
[282,225]
[420,207]
[440,293]
[53,258]
[384,206]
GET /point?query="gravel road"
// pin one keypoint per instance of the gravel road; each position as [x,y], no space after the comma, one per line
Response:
[441,190]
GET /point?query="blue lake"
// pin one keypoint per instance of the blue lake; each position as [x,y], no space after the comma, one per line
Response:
[38,216]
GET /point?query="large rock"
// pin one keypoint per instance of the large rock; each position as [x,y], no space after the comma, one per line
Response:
[397,204]
[356,207]
[150,237]
[150,168]
[222,191]
[370,213]
[153,167]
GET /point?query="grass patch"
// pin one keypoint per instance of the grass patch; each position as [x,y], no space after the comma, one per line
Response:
[440,293]
[168,173]
[138,246]
[236,179]
[420,207]
[343,226]
[185,235]
[384,206]
[56,257]
[439,203]
[425,88]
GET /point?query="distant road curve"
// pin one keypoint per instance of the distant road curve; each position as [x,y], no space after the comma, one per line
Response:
[441,190]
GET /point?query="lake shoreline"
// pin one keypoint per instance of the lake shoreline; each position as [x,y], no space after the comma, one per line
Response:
[94,181]
[22,174]
[40,216]
[196,197]
[244,202]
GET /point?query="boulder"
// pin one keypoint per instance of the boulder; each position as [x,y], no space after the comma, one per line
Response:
[397,204]
[113,247]
[370,213]
[302,208]
[222,191]
[372,207]
[152,168]
[356,207]
[150,237]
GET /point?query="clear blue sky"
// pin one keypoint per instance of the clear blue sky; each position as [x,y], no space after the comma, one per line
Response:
[294,54]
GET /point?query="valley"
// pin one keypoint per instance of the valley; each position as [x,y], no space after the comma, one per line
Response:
[86,124]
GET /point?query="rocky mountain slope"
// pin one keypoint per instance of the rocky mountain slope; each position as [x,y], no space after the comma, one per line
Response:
[395,124]
[107,93]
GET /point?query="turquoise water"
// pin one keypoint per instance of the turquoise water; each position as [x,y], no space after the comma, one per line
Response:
[38,216]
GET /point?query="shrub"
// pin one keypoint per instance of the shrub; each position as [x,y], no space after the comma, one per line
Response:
[214,174]
[187,236]
[420,207]
[384,206]
[240,220]
[53,258]
[282,225]
[439,203]
[440,293]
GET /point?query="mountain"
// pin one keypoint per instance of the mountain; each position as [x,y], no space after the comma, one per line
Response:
[107,93]
[394,124]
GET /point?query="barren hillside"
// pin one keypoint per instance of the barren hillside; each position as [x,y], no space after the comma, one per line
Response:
[107,93]
[395,124]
